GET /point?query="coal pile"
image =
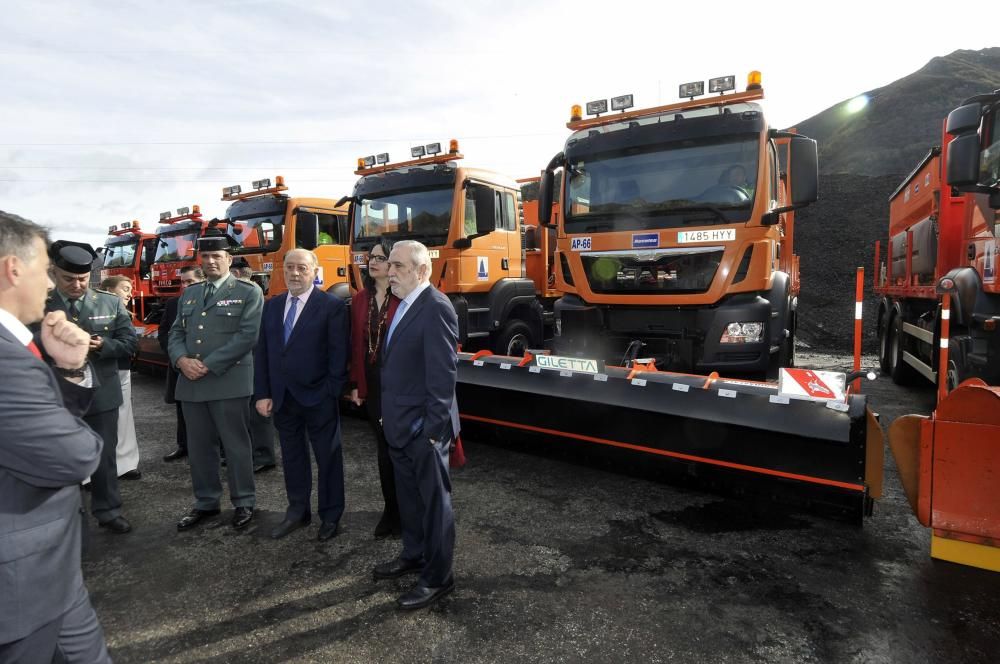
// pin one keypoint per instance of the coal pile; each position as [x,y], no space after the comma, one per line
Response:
[833,237]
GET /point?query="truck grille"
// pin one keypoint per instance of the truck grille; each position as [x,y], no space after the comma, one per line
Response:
[652,272]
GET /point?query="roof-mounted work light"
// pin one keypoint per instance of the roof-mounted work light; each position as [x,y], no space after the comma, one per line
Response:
[369,161]
[382,158]
[262,184]
[433,149]
[691,90]
[417,151]
[597,107]
[164,216]
[621,103]
[722,84]
[181,212]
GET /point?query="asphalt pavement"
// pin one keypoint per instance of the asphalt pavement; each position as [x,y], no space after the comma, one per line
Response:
[559,558]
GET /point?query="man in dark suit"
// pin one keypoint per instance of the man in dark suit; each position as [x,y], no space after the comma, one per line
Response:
[190,274]
[420,418]
[300,367]
[104,317]
[46,451]
[211,345]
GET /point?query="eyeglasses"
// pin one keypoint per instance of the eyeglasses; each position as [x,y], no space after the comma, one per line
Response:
[377,259]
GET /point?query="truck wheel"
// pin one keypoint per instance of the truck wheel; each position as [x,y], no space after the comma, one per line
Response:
[901,372]
[957,371]
[513,339]
[883,342]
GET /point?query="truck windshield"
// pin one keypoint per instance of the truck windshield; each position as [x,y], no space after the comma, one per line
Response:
[256,235]
[176,245]
[661,186]
[412,214]
[120,251]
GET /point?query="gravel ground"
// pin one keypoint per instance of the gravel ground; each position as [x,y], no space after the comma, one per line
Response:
[557,560]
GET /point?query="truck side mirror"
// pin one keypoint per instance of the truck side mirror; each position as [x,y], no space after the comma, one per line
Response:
[963,161]
[486,209]
[963,119]
[803,170]
[307,230]
[546,189]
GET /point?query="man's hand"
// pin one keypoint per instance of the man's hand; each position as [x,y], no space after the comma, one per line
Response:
[191,368]
[354,397]
[64,341]
[96,341]
[264,407]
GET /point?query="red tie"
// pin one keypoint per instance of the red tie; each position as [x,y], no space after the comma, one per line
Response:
[34,349]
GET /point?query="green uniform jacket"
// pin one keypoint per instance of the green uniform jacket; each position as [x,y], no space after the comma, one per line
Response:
[104,314]
[221,333]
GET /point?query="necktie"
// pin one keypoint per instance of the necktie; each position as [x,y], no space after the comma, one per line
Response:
[74,307]
[209,292]
[395,319]
[290,318]
[34,349]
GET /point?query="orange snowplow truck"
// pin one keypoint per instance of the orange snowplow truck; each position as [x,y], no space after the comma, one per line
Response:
[266,223]
[484,257]
[942,240]
[129,252]
[176,247]
[675,241]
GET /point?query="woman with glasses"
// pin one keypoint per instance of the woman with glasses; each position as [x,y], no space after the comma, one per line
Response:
[372,309]
[128,443]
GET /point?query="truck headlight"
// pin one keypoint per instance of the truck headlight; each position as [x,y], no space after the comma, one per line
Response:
[742,333]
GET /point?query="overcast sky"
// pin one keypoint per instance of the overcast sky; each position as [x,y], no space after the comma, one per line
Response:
[118,110]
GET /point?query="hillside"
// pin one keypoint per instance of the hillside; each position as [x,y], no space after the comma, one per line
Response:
[863,158]
[903,119]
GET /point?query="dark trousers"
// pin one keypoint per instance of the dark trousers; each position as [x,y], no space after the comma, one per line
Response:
[105,499]
[75,636]
[298,427]
[182,439]
[261,437]
[386,475]
[428,522]
[212,422]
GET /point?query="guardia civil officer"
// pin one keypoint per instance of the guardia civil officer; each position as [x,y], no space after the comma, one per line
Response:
[210,344]
[103,316]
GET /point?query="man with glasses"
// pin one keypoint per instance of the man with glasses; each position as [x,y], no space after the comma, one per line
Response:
[300,370]
[211,345]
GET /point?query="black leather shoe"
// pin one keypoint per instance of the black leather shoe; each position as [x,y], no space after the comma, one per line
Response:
[288,526]
[118,525]
[131,475]
[422,596]
[328,531]
[396,568]
[194,517]
[387,526]
[179,453]
[241,517]
[262,467]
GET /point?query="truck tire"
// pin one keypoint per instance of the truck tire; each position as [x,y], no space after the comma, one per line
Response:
[957,369]
[883,341]
[513,339]
[901,372]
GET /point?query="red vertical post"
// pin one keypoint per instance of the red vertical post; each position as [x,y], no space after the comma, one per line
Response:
[859,296]
[943,361]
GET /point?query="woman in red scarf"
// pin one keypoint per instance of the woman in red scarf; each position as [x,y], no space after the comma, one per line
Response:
[372,309]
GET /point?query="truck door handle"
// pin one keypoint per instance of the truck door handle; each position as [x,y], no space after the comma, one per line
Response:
[971,253]
[504,263]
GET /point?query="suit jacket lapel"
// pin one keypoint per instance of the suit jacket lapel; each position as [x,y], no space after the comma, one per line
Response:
[408,317]
[311,303]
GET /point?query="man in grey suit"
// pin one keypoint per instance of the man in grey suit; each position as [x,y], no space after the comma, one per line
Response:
[420,418]
[46,450]
[112,338]
[211,346]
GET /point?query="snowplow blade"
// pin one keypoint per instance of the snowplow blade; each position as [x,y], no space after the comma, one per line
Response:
[739,435]
[949,464]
